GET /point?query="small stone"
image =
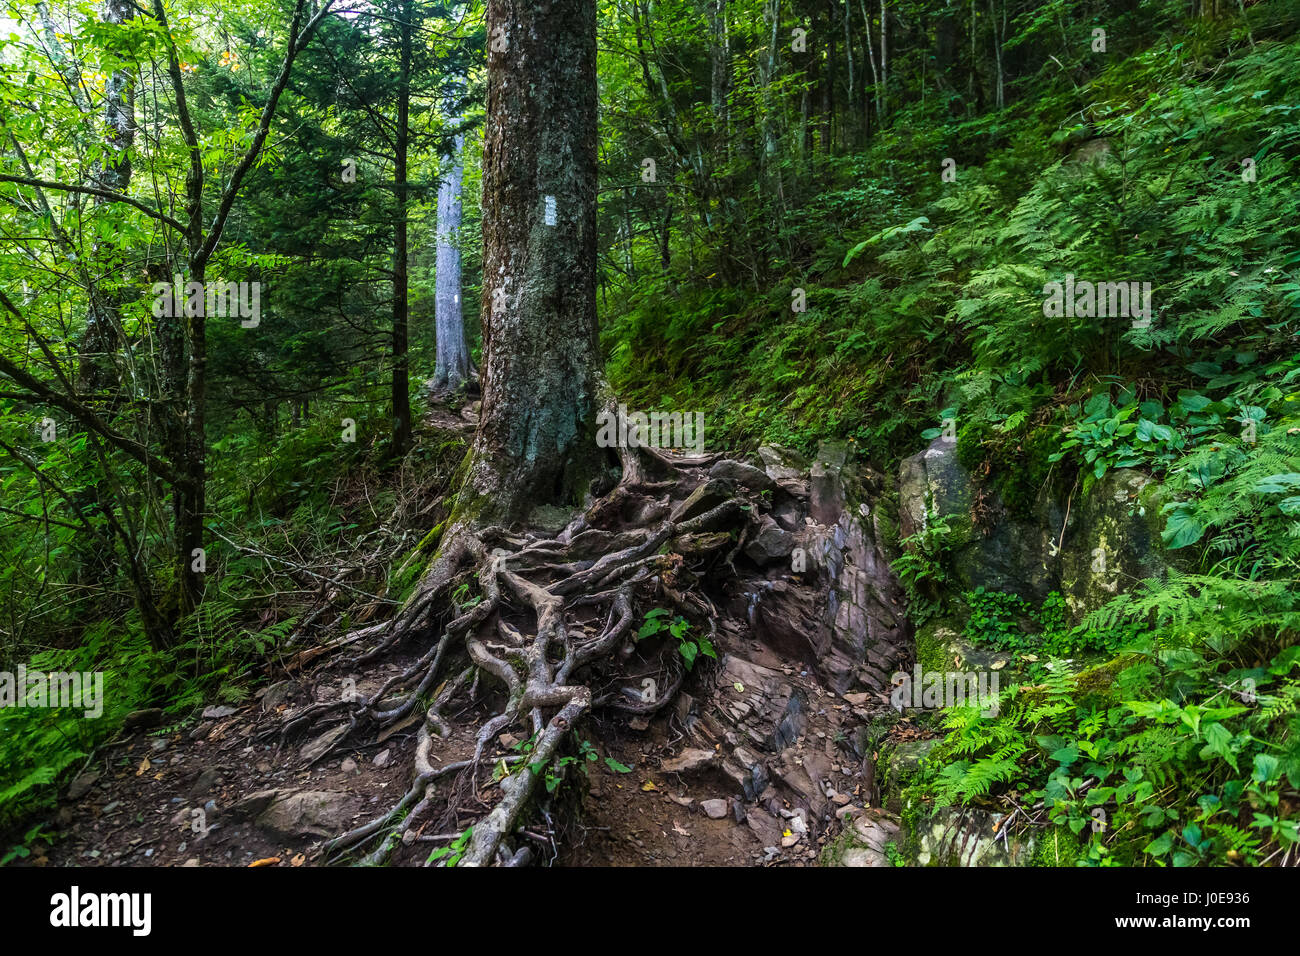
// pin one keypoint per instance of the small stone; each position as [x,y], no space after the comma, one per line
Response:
[205,783]
[693,758]
[789,841]
[192,861]
[348,766]
[382,758]
[714,809]
[82,784]
[217,712]
[839,799]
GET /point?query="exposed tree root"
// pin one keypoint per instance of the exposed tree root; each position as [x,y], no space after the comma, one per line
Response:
[529,633]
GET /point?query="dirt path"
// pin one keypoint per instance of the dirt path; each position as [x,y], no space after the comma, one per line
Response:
[754,762]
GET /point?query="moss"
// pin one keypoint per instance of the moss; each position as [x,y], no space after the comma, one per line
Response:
[932,641]
[1058,847]
[1017,463]
[1100,678]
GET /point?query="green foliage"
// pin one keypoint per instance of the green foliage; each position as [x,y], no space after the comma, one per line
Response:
[451,854]
[688,645]
[1007,622]
[922,567]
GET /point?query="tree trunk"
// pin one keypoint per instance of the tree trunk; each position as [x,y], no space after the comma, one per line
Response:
[848,51]
[453,368]
[535,443]
[720,61]
[871,62]
[401,275]
[884,61]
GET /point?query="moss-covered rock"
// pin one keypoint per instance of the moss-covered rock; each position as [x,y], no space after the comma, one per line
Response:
[968,836]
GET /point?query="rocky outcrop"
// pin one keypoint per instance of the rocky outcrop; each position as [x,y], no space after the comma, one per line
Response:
[810,638]
[1089,549]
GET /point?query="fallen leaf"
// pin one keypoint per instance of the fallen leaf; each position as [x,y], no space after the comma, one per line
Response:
[740,688]
[144,765]
[298,860]
[997,666]
[648,786]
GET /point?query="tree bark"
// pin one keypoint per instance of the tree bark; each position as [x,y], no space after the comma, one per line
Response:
[401,274]
[535,443]
[720,63]
[452,368]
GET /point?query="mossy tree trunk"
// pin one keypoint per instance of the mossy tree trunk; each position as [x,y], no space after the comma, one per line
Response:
[535,442]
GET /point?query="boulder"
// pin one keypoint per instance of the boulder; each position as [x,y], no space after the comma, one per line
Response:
[783,464]
[307,814]
[772,543]
[742,474]
[1103,544]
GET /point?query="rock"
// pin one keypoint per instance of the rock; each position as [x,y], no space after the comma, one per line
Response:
[253,804]
[827,489]
[218,712]
[715,809]
[742,474]
[382,758]
[158,746]
[348,766]
[181,818]
[507,740]
[704,498]
[865,841]
[791,840]
[139,719]
[192,861]
[782,464]
[764,825]
[81,785]
[1091,552]
[840,799]
[275,695]
[1113,541]
[205,783]
[970,837]
[307,814]
[202,730]
[772,543]
[690,760]
[315,749]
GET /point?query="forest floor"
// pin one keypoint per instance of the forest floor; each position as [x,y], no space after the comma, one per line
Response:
[187,796]
[231,789]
